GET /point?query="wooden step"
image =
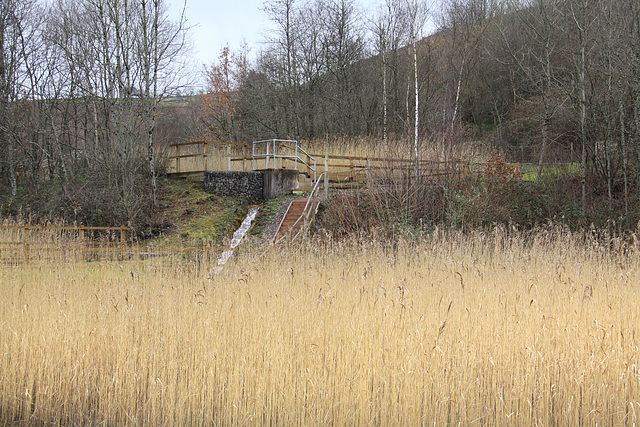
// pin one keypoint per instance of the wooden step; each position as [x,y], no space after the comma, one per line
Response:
[296,209]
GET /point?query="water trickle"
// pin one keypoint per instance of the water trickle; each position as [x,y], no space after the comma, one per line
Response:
[237,238]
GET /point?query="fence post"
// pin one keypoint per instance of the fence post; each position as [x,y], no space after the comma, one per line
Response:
[266,158]
[177,158]
[123,241]
[228,157]
[326,175]
[274,154]
[353,170]
[26,244]
[206,160]
[244,157]
[83,242]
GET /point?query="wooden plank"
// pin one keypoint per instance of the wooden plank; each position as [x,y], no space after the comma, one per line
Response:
[381,159]
[188,143]
[186,156]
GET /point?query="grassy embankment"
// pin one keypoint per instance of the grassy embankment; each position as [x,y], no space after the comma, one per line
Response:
[480,328]
[188,215]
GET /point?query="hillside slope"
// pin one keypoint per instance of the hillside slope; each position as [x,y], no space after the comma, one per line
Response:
[187,215]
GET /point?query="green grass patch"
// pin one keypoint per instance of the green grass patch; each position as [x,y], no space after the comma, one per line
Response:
[529,170]
[191,216]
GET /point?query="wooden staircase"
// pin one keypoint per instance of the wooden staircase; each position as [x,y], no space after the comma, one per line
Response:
[299,216]
[295,211]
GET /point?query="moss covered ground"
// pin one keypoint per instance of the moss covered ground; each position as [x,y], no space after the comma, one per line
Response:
[188,215]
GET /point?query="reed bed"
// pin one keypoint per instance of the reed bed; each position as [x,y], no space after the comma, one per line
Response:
[490,328]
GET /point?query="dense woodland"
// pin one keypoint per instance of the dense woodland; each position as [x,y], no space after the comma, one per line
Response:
[86,85]
[81,83]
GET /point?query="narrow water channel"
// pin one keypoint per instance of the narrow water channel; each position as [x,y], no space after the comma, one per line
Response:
[238,235]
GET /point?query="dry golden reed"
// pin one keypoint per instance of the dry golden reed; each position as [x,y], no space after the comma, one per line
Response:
[488,328]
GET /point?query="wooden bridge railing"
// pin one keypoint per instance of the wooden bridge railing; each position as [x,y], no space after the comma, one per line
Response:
[197,156]
[193,158]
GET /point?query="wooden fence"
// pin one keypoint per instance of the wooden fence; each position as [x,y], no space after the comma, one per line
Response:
[25,243]
[191,159]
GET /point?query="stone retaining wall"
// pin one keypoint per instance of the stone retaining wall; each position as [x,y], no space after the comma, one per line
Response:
[266,184]
[233,183]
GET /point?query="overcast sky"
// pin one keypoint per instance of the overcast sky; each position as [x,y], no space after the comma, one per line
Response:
[216,23]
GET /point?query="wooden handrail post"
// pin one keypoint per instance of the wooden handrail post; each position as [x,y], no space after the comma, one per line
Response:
[123,241]
[178,158]
[353,170]
[26,244]
[244,157]
[326,175]
[206,160]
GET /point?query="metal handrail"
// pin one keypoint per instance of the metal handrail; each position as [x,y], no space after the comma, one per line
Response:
[273,155]
[306,213]
[268,155]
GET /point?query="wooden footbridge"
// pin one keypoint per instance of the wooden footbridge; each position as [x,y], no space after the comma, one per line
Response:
[191,159]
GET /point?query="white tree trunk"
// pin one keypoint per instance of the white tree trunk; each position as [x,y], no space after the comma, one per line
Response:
[417,104]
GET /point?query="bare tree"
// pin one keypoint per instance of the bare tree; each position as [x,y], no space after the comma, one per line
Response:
[631,11]
[281,58]
[465,22]
[417,14]
[18,23]
[160,53]
[218,107]
[117,60]
[581,17]
[343,42]
[532,43]
[313,68]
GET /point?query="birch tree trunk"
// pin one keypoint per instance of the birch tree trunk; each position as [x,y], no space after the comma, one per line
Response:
[416,127]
